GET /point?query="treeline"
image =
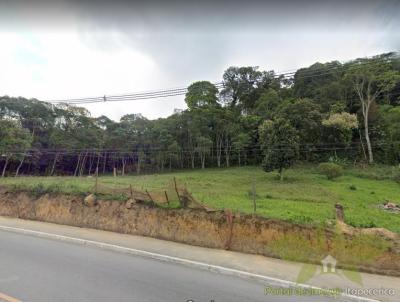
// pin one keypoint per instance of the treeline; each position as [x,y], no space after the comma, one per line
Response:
[342,112]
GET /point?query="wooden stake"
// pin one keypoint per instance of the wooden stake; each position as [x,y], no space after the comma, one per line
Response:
[253,189]
[148,194]
[115,179]
[166,197]
[177,193]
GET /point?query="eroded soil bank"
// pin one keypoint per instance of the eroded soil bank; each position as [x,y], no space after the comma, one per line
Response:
[370,251]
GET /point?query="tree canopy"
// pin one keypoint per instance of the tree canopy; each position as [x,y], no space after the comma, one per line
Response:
[347,110]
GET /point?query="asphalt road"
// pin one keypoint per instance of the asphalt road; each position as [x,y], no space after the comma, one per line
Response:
[41,270]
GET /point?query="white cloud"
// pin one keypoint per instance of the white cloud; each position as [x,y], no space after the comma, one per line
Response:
[76,50]
[59,65]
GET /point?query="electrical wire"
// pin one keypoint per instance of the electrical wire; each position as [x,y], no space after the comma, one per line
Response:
[145,95]
[286,147]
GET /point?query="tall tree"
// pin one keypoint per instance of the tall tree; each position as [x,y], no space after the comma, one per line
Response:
[201,94]
[305,116]
[280,144]
[372,78]
[390,117]
[320,83]
[14,142]
[241,87]
[338,128]
[267,103]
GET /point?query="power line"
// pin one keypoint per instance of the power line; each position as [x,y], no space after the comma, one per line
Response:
[163,93]
[140,148]
[132,96]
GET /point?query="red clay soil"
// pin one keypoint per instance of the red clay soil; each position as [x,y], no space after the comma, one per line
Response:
[222,230]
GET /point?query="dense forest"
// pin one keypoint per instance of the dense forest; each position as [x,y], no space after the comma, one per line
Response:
[342,112]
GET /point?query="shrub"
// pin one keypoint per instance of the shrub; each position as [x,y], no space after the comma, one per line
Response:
[40,189]
[330,170]
[396,176]
[338,161]
[354,188]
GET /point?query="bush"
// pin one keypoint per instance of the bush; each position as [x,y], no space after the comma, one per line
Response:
[330,170]
[354,188]
[396,176]
[40,189]
[338,161]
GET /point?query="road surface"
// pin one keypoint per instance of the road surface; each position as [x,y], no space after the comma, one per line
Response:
[41,270]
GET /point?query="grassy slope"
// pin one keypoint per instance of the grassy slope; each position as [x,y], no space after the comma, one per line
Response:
[303,197]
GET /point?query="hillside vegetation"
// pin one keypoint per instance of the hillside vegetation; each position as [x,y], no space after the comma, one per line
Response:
[304,197]
[349,111]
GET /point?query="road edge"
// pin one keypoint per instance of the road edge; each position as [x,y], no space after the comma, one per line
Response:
[165,258]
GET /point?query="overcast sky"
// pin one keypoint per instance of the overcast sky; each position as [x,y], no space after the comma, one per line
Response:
[66,49]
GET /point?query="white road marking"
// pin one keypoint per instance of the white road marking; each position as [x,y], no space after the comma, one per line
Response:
[4,297]
[166,258]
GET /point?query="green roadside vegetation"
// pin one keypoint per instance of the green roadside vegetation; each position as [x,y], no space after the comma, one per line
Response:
[304,196]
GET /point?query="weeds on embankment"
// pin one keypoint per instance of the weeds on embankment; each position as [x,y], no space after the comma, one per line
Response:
[304,197]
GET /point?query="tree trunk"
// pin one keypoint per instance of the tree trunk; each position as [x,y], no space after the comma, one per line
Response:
[123,166]
[104,162]
[91,160]
[369,147]
[138,164]
[83,164]
[181,156]
[366,99]
[227,151]
[219,151]
[192,159]
[162,162]
[5,167]
[54,165]
[19,166]
[239,157]
[77,164]
[97,164]
[227,158]
[362,144]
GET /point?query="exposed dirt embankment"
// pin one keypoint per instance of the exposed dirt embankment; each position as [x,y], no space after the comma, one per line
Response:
[243,233]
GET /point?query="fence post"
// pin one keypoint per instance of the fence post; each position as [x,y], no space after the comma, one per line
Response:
[177,192]
[115,179]
[96,180]
[166,197]
[152,201]
[254,193]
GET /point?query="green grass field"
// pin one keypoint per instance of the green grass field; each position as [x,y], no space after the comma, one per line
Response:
[303,197]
